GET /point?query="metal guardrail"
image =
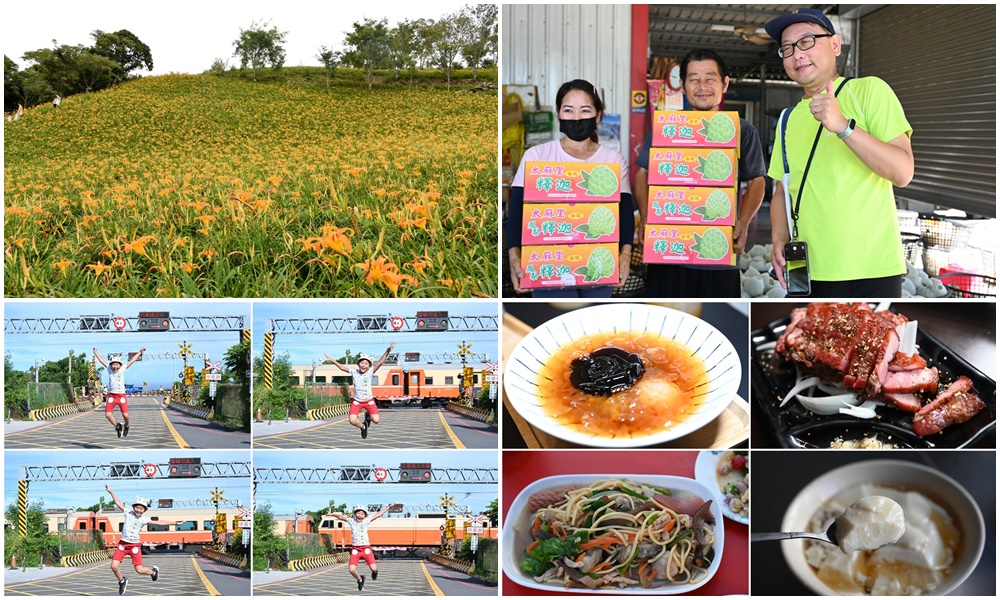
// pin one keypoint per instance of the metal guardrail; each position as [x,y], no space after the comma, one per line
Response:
[328,412]
[477,414]
[232,560]
[85,558]
[59,410]
[190,409]
[314,562]
[454,564]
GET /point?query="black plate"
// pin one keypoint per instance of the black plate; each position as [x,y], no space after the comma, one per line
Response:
[793,426]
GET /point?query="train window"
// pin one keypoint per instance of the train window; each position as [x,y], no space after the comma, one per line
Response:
[152,527]
[449,380]
[395,379]
[415,378]
[82,525]
[428,381]
[207,525]
[328,524]
[321,379]
[475,378]
[187,526]
[375,380]
[102,526]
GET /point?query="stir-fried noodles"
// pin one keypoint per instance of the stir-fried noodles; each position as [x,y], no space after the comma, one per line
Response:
[615,533]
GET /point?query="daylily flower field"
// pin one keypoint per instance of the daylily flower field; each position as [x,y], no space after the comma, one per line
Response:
[203,186]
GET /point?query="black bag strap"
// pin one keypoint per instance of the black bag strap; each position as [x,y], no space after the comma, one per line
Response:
[798,198]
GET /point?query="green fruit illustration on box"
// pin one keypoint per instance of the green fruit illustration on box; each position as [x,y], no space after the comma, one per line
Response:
[716,207]
[713,245]
[601,264]
[719,129]
[714,167]
[601,181]
[601,222]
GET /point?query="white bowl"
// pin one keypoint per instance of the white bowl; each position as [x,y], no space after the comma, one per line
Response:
[936,485]
[516,536]
[704,471]
[721,360]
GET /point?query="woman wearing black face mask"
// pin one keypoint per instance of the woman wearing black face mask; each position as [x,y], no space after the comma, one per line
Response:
[579,110]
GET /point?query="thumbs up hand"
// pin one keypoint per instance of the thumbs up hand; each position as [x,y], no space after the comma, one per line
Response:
[825,108]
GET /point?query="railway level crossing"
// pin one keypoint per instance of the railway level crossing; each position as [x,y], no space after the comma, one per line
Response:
[384,323]
[125,471]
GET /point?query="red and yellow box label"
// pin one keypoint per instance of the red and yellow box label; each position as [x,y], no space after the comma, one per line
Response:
[688,245]
[710,167]
[582,223]
[571,182]
[693,128]
[691,205]
[569,266]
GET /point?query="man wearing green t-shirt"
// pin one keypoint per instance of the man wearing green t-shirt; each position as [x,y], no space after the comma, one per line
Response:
[846,212]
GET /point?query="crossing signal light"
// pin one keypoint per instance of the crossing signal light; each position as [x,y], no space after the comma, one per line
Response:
[184,467]
[415,472]
[432,320]
[154,321]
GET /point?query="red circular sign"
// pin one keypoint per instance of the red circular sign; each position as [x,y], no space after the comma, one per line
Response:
[120,323]
[381,474]
[397,323]
[149,469]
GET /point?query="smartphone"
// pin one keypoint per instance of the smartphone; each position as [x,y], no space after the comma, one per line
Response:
[797,269]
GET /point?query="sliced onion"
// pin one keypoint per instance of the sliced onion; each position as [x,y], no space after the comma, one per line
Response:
[800,384]
[864,411]
[831,388]
[883,306]
[827,405]
[908,338]
[767,346]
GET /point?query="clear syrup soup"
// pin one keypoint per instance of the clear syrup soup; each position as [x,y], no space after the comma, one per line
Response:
[674,385]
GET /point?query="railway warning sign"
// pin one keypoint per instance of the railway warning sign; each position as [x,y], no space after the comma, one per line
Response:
[397,323]
[149,469]
[120,323]
[381,474]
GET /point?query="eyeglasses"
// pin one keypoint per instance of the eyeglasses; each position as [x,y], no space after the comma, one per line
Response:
[804,43]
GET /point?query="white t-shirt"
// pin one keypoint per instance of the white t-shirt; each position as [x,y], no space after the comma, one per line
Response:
[362,384]
[359,529]
[116,380]
[133,523]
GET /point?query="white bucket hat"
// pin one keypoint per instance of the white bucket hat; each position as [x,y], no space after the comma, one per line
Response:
[142,501]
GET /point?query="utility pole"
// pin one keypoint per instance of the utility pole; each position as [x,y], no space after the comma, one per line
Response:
[69,376]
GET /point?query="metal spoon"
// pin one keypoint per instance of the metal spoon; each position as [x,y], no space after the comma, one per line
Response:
[829,536]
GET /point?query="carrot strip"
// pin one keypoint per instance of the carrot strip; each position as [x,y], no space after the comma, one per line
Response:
[537,526]
[531,546]
[668,526]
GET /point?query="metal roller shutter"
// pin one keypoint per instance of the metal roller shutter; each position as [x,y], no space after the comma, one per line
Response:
[941,62]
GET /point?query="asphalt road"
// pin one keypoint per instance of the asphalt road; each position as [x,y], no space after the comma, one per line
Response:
[151,426]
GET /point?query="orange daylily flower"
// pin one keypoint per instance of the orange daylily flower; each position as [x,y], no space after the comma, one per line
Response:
[64,264]
[189,267]
[139,245]
[99,268]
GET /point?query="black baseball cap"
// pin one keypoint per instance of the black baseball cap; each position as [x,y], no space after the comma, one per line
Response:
[775,27]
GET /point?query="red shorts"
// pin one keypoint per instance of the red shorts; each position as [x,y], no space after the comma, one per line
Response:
[369,405]
[116,400]
[365,552]
[126,549]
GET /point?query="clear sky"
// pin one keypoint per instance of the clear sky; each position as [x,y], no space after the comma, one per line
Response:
[60,494]
[185,36]
[25,349]
[305,348]
[287,498]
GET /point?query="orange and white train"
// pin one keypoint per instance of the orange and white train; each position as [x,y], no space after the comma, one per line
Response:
[197,527]
[389,532]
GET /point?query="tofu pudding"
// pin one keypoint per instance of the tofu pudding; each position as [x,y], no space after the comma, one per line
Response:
[919,560]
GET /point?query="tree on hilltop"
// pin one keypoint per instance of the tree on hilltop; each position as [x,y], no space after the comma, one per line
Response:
[125,48]
[368,46]
[330,59]
[481,37]
[446,37]
[260,47]
[406,46]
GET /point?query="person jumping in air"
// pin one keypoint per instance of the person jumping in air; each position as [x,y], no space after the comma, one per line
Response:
[360,546]
[135,519]
[116,388]
[363,397]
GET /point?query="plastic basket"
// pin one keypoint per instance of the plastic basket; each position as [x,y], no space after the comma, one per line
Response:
[912,248]
[969,285]
[538,122]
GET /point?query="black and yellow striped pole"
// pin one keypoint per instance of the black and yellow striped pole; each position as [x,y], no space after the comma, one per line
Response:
[22,507]
[92,373]
[268,360]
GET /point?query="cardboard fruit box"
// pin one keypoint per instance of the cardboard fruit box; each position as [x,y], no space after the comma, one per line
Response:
[691,205]
[569,266]
[582,223]
[688,245]
[711,167]
[692,128]
[571,182]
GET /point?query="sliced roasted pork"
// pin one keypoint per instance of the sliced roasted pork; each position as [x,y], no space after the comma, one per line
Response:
[957,404]
[907,402]
[907,382]
[907,362]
